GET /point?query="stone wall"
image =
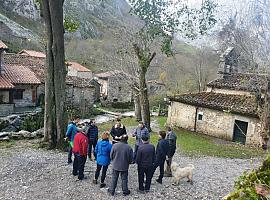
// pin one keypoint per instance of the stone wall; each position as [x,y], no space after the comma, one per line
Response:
[6,109]
[214,123]
[27,99]
[118,90]
[4,96]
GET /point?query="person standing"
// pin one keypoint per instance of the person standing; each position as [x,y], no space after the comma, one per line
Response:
[140,132]
[171,137]
[145,159]
[162,151]
[102,151]
[121,156]
[70,134]
[92,135]
[80,152]
[117,131]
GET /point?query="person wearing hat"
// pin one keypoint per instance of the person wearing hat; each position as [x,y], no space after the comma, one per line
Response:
[145,159]
[162,151]
[80,146]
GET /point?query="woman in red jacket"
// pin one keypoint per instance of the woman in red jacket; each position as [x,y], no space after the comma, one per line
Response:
[80,152]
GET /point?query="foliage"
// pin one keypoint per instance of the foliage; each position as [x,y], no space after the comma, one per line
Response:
[246,184]
[33,122]
[70,24]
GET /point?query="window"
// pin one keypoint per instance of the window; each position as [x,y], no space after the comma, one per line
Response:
[18,94]
[200,116]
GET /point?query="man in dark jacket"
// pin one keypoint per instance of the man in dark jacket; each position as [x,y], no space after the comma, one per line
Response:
[171,137]
[145,159]
[121,156]
[70,134]
[117,131]
[162,151]
[92,135]
[140,132]
[80,152]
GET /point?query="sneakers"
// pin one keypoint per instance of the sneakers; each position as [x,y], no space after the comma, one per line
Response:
[110,193]
[140,191]
[95,181]
[126,193]
[159,181]
[102,185]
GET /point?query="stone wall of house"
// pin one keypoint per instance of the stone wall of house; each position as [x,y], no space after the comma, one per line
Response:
[27,99]
[103,87]
[4,96]
[6,109]
[214,123]
[227,91]
[118,90]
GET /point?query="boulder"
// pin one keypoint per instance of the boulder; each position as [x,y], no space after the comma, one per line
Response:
[3,123]
[16,135]
[4,134]
[38,133]
[9,128]
[17,122]
[26,134]
[6,138]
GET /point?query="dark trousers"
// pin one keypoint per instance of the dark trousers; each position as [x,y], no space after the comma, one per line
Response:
[124,177]
[147,171]
[104,171]
[159,163]
[69,154]
[135,152]
[78,166]
[92,144]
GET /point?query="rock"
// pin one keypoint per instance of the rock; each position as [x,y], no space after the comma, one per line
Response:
[38,133]
[6,138]
[3,123]
[16,135]
[10,128]
[4,134]
[17,122]
[26,134]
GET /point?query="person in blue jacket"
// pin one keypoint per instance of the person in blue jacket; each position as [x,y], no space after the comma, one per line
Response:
[102,151]
[92,135]
[70,134]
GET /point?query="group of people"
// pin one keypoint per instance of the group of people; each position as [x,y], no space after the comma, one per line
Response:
[83,140]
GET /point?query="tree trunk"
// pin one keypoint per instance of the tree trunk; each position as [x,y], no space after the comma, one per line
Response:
[145,110]
[137,106]
[55,73]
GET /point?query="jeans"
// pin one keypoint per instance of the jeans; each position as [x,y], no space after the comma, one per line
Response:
[147,171]
[135,152]
[159,163]
[104,171]
[124,177]
[78,166]
[69,154]
[92,143]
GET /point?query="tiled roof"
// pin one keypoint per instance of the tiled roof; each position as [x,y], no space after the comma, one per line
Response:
[240,104]
[3,45]
[78,67]
[78,82]
[5,83]
[32,53]
[238,81]
[19,74]
[10,58]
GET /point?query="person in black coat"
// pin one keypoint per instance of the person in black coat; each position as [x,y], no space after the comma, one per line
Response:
[145,159]
[117,131]
[162,151]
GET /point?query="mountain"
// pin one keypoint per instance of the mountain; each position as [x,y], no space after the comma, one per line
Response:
[98,38]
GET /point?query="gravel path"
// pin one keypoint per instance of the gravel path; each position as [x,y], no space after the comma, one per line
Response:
[28,173]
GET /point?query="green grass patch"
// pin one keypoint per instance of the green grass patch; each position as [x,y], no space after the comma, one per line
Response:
[162,121]
[7,144]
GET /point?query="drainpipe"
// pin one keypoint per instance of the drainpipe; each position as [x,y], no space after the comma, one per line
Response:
[195,122]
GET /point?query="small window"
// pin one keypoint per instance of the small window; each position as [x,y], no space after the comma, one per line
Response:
[18,94]
[200,116]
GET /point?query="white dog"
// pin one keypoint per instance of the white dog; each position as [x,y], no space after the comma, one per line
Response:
[179,173]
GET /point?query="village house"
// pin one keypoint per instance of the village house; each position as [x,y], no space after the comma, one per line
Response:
[227,109]
[22,83]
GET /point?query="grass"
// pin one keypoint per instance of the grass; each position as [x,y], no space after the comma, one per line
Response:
[7,144]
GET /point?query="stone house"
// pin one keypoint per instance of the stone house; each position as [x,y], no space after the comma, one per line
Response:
[228,109]
[26,75]
[114,87]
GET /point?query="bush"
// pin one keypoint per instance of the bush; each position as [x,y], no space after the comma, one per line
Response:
[33,122]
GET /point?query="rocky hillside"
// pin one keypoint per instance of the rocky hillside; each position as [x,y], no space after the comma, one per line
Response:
[97,40]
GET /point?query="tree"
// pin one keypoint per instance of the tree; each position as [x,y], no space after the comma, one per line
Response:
[159,24]
[52,11]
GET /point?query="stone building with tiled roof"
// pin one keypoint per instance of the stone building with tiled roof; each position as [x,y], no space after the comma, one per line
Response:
[22,84]
[228,109]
